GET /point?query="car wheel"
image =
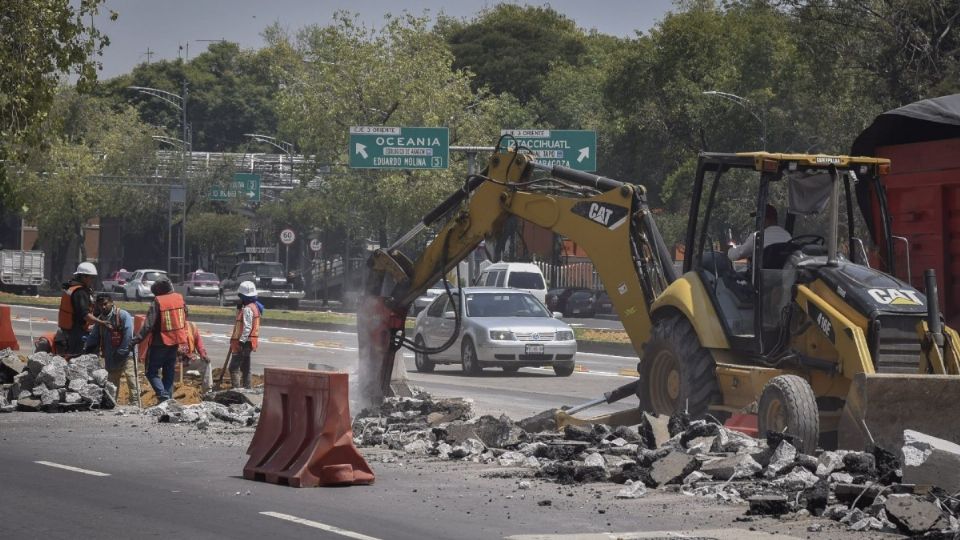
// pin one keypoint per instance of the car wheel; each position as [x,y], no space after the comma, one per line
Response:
[125,297]
[511,369]
[422,361]
[139,298]
[220,297]
[563,370]
[294,304]
[468,355]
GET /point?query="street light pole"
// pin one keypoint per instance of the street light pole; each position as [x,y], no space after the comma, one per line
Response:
[284,146]
[749,106]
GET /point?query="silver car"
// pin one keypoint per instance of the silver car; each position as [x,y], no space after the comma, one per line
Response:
[138,286]
[504,328]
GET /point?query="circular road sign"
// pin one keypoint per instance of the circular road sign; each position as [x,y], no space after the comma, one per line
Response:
[287,236]
[316,245]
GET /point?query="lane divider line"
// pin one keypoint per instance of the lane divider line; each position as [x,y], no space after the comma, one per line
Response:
[627,372]
[69,468]
[318,525]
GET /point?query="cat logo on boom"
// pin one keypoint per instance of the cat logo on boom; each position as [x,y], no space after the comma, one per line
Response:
[895,297]
[608,215]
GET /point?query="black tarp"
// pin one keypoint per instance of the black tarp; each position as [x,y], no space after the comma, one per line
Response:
[927,120]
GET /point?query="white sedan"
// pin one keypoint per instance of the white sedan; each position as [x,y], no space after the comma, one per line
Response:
[504,328]
[138,286]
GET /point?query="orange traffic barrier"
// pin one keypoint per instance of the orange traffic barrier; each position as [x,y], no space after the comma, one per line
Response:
[304,437]
[8,340]
[744,423]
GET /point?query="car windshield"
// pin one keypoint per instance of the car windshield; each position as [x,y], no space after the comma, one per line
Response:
[124,275]
[204,276]
[153,276]
[504,305]
[263,270]
[525,280]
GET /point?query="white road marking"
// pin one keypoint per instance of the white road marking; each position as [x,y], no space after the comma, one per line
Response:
[69,468]
[318,525]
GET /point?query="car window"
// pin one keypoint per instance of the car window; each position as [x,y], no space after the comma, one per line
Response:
[235,271]
[136,275]
[123,275]
[504,305]
[489,279]
[153,276]
[204,276]
[436,308]
[581,295]
[525,280]
[500,277]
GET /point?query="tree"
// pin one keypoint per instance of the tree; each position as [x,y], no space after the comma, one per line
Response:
[73,180]
[40,40]
[510,48]
[211,234]
[401,75]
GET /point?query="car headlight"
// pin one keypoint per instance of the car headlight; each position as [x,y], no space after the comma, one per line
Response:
[564,335]
[502,335]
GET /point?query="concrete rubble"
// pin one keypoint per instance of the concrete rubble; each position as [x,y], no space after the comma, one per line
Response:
[49,383]
[863,491]
[204,413]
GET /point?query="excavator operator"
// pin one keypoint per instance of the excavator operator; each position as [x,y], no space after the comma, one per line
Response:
[772,234]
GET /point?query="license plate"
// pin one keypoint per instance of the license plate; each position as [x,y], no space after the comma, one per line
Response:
[576,311]
[534,349]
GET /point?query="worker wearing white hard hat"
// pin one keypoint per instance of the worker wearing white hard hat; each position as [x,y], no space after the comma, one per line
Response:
[246,334]
[76,316]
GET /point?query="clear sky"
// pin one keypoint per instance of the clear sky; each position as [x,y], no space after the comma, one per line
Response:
[163,26]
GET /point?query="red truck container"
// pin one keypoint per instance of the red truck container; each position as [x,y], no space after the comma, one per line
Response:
[922,140]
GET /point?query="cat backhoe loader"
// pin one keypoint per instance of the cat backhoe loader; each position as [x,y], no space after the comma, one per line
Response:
[806,334]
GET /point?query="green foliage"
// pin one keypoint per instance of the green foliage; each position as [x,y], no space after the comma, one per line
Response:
[40,41]
[212,234]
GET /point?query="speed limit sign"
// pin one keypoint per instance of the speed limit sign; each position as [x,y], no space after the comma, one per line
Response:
[316,245]
[287,236]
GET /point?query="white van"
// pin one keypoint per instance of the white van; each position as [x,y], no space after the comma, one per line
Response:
[524,276]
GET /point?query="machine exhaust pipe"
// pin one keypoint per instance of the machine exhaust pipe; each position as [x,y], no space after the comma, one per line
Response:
[934,324]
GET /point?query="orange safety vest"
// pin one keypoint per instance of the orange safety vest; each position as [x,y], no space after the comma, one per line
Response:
[238,329]
[173,319]
[65,318]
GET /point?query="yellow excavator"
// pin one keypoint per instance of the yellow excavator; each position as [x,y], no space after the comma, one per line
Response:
[808,334]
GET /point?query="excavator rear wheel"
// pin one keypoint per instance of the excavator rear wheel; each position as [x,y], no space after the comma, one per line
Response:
[788,405]
[676,373]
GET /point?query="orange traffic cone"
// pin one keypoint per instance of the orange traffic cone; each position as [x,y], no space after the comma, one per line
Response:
[8,340]
[304,437]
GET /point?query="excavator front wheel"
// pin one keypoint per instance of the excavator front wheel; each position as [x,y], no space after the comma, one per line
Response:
[676,373]
[788,405]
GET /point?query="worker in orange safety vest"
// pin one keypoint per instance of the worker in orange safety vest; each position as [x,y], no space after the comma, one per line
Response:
[246,334]
[166,326]
[76,316]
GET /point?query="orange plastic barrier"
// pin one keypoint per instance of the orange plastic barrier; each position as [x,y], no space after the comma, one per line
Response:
[8,340]
[304,437]
[744,423]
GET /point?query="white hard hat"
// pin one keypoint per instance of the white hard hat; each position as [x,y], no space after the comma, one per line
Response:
[86,269]
[247,288]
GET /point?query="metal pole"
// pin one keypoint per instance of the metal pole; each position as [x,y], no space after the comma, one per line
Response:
[170,232]
[286,258]
[188,153]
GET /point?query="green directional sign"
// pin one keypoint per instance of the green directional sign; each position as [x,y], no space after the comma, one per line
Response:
[245,185]
[382,147]
[572,148]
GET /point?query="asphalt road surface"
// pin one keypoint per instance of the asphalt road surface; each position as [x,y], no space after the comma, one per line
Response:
[527,392]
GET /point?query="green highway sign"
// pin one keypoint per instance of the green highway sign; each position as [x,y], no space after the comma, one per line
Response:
[382,147]
[572,148]
[244,185]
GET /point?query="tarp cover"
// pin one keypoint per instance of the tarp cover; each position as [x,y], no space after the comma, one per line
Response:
[928,120]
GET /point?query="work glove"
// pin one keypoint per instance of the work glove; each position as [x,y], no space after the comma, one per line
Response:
[246,346]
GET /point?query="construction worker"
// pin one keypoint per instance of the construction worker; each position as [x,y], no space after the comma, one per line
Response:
[166,328]
[772,234]
[246,334]
[112,339]
[76,315]
[196,357]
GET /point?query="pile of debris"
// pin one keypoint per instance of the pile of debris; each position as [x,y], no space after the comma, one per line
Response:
[863,490]
[51,384]
[223,407]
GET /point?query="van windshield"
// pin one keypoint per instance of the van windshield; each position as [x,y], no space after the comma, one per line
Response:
[525,280]
[513,304]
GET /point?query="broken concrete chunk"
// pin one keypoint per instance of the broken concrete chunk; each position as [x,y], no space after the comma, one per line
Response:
[76,384]
[888,466]
[99,377]
[50,397]
[672,468]
[696,476]
[654,430]
[782,459]
[91,393]
[911,514]
[678,423]
[930,461]
[419,447]
[768,505]
[732,467]
[594,460]
[28,404]
[860,464]
[512,459]
[828,462]
[632,490]
[545,421]
[37,361]
[700,445]
[867,523]
[807,461]
[796,480]
[626,433]
[589,473]
[53,376]
[72,397]
[841,478]
[561,450]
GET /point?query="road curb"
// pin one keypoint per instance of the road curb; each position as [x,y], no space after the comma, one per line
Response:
[601,347]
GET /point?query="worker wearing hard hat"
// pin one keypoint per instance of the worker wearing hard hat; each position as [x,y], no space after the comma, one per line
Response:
[246,334]
[76,316]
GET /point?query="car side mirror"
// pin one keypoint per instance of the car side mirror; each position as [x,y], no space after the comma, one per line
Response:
[449,315]
[557,315]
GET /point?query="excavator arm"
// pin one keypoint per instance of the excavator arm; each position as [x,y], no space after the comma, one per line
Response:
[609,219]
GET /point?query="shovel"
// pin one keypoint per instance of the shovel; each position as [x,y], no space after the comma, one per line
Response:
[136,375]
